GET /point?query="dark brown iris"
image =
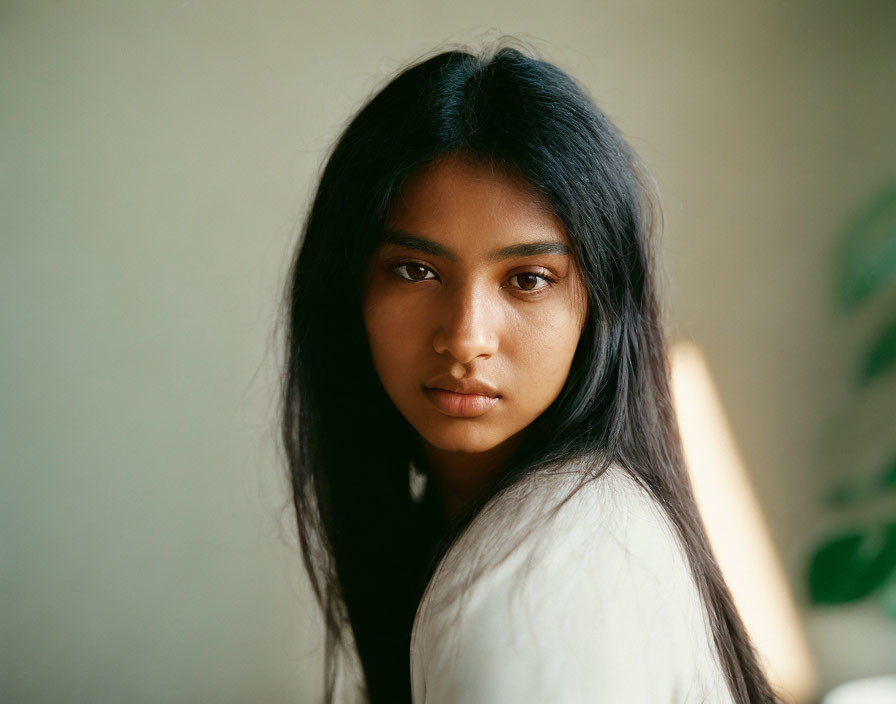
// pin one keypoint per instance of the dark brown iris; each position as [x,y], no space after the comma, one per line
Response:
[415,268]
[527,277]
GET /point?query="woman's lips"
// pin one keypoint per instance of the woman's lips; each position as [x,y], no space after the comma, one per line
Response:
[460,405]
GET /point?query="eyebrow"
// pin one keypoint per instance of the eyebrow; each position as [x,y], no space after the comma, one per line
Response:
[420,244]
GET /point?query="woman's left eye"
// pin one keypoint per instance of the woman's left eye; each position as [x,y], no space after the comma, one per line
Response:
[528,280]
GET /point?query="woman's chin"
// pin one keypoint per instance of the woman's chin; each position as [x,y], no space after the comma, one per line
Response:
[462,441]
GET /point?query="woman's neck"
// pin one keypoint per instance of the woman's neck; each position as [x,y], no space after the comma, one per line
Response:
[461,476]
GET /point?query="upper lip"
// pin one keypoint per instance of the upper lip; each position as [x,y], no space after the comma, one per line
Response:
[463,386]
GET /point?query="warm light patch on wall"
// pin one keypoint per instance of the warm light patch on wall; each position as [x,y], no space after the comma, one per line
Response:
[736,528]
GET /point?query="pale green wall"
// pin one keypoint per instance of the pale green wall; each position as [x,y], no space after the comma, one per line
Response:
[154,165]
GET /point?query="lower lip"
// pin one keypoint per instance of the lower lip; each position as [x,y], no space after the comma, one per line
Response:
[460,405]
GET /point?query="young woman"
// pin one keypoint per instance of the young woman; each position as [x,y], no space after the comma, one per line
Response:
[487,472]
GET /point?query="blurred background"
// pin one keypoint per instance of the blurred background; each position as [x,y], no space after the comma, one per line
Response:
[156,160]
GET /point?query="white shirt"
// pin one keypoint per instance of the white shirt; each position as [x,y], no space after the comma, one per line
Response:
[596,605]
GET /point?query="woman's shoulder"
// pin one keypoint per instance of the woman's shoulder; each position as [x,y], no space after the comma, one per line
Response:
[552,515]
[594,598]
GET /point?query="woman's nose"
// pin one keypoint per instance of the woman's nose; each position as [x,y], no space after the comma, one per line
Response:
[467,325]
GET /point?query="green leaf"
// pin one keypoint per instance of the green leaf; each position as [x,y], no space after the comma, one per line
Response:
[889,476]
[881,354]
[866,260]
[852,492]
[850,565]
[888,597]
[856,490]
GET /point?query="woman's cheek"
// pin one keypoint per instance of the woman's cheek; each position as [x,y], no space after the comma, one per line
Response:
[393,335]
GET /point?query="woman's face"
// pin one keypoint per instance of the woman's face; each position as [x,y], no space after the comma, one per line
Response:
[473,290]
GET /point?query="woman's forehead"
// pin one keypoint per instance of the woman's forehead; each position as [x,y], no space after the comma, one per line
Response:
[406,240]
[462,177]
[458,204]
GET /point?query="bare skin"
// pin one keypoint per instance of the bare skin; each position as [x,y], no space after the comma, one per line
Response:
[462,475]
[475,282]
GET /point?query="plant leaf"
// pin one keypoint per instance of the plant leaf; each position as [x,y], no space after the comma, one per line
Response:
[881,354]
[866,259]
[850,565]
[851,492]
[889,477]
[888,597]
[856,490]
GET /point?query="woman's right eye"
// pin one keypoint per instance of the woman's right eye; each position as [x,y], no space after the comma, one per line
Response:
[413,271]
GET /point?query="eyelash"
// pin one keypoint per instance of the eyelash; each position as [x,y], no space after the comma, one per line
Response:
[549,280]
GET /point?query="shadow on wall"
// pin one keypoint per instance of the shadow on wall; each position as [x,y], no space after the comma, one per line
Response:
[856,558]
[737,529]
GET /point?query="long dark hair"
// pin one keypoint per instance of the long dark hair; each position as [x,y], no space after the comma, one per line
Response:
[368,548]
